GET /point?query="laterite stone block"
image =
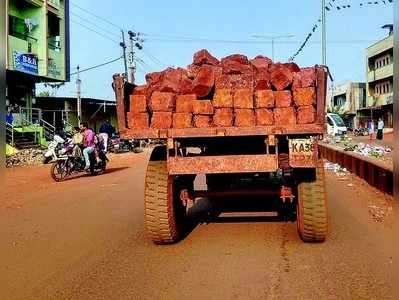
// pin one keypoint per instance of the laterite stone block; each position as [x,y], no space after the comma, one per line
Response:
[137,120]
[161,101]
[223,117]
[182,120]
[305,96]
[184,103]
[201,121]
[264,99]
[244,118]
[284,116]
[282,98]
[264,117]
[203,107]
[243,99]
[161,120]
[138,103]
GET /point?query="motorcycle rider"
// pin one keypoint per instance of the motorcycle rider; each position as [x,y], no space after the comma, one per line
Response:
[88,143]
[105,132]
[77,140]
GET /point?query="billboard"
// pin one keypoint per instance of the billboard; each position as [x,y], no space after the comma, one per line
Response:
[25,62]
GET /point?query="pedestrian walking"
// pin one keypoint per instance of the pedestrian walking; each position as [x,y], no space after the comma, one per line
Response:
[371,129]
[380,129]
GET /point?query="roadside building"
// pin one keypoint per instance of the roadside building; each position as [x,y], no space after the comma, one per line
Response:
[348,98]
[37,51]
[379,85]
[61,112]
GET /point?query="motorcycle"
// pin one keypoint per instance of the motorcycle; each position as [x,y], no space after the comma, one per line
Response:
[55,148]
[68,163]
[361,131]
[118,145]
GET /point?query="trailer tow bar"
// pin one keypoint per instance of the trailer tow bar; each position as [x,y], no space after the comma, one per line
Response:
[286,194]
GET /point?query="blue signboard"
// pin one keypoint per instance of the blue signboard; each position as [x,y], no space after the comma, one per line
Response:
[25,62]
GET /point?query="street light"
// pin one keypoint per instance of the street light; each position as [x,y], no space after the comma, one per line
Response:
[272,38]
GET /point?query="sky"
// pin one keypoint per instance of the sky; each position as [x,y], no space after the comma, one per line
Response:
[208,23]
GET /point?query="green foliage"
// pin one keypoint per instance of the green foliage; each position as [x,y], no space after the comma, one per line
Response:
[344,114]
[44,94]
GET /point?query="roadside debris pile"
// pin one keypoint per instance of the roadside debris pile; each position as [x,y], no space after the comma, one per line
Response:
[234,91]
[364,149]
[336,168]
[25,157]
[377,213]
[373,151]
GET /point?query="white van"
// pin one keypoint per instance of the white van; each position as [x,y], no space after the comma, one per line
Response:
[335,124]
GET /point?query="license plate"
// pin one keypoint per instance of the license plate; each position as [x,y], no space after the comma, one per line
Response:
[302,146]
[303,153]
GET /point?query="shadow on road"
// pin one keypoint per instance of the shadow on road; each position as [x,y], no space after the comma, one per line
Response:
[238,210]
[113,170]
[85,174]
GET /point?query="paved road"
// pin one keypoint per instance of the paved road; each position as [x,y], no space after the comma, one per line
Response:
[84,239]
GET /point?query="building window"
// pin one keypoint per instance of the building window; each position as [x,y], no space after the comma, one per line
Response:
[18,29]
[362,98]
[54,32]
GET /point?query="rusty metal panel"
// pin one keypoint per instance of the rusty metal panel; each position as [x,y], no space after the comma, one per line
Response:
[310,129]
[321,88]
[302,153]
[140,133]
[192,132]
[222,164]
[120,102]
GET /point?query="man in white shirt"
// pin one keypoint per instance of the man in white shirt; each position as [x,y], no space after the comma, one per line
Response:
[380,128]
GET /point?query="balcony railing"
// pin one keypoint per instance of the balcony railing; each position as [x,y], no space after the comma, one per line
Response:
[23,36]
[380,73]
[54,46]
[55,3]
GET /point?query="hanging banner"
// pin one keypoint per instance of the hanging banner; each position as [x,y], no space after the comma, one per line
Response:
[53,69]
[25,62]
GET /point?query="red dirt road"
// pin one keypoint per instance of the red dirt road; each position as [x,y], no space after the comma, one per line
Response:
[84,239]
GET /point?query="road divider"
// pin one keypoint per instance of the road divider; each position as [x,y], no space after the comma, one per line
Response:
[376,173]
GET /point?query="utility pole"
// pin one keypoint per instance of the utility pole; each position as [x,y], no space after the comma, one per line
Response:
[273,48]
[323,33]
[135,41]
[272,38]
[123,45]
[78,96]
[132,63]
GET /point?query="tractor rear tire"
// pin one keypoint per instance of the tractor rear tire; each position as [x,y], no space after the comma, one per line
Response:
[312,208]
[163,212]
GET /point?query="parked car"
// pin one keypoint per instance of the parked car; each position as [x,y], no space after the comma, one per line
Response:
[335,124]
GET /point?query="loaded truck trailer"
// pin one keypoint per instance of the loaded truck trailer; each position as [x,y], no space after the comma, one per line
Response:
[238,139]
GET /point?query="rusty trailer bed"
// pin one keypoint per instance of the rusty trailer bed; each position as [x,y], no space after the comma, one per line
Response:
[310,129]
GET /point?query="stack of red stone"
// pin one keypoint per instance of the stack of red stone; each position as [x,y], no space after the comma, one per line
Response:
[232,92]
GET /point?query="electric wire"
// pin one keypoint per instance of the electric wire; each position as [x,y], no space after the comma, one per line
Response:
[97,66]
[95,25]
[153,58]
[94,15]
[95,31]
[143,63]
[328,8]
[257,42]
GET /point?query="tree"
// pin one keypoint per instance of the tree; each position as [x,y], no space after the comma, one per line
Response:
[44,94]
